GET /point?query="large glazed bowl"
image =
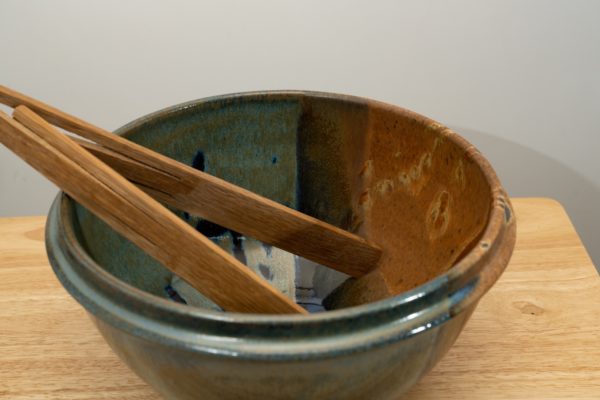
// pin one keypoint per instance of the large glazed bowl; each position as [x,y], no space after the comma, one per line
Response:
[412,186]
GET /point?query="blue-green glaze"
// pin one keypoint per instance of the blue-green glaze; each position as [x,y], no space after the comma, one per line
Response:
[293,147]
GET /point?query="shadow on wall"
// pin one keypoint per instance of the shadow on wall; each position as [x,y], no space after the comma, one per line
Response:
[524,172]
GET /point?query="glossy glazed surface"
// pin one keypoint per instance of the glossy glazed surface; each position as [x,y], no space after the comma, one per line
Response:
[412,186]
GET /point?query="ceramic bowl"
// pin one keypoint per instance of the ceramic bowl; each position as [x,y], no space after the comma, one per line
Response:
[407,183]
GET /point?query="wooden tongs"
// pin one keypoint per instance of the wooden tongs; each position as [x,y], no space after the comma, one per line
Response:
[82,170]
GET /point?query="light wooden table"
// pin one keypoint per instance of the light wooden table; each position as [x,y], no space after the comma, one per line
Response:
[535,335]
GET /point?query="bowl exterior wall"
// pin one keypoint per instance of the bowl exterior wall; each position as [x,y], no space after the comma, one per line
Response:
[384,372]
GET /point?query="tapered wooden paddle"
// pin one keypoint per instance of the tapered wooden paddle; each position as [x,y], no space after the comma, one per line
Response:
[139,217]
[214,199]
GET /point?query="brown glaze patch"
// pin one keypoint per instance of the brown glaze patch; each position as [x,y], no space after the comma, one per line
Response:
[421,197]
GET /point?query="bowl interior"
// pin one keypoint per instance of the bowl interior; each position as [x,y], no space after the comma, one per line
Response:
[392,176]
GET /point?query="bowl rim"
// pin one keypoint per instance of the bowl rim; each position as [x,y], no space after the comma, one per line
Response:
[456,277]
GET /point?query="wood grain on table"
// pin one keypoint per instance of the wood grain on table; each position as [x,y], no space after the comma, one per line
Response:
[536,334]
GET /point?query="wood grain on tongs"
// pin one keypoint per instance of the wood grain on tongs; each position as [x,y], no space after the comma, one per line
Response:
[214,199]
[139,217]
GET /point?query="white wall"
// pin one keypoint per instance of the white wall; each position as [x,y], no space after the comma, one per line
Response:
[520,79]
